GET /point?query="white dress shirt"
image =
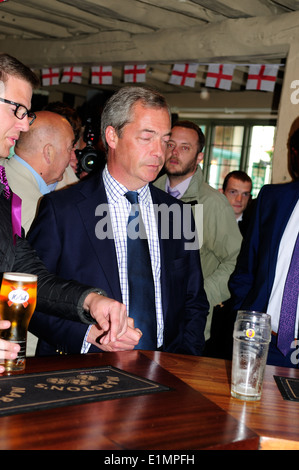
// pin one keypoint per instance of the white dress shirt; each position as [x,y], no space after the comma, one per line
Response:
[285,252]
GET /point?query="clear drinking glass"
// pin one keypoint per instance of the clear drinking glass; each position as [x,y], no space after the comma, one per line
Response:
[252,334]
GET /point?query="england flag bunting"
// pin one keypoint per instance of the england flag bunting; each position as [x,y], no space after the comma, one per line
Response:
[71,75]
[50,76]
[134,73]
[184,74]
[220,76]
[101,75]
[262,77]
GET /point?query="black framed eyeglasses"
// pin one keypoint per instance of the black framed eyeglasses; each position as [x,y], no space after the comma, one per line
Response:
[21,111]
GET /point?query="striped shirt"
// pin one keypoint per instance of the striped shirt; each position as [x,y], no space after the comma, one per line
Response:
[120,208]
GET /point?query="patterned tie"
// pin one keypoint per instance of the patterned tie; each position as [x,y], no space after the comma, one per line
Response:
[289,304]
[4,183]
[173,192]
[140,277]
[16,205]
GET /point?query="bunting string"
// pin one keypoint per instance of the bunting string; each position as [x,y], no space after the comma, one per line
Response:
[259,77]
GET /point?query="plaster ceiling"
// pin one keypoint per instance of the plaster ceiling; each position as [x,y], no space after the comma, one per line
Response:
[48,33]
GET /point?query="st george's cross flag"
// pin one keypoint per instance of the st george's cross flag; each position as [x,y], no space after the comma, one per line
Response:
[183,74]
[50,76]
[134,73]
[220,76]
[71,75]
[262,77]
[101,75]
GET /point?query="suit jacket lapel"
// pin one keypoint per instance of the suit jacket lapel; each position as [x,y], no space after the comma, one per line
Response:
[104,248]
[280,213]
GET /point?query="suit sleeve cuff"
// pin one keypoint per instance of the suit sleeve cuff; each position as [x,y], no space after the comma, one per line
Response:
[85,316]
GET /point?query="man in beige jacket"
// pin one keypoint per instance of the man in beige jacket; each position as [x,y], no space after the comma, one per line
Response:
[41,157]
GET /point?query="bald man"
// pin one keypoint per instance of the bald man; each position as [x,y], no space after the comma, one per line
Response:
[41,157]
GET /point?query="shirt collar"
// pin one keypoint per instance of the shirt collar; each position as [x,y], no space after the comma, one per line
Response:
[116,190]
[181,187]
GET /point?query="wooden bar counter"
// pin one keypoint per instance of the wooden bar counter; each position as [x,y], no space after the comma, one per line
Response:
[274,419]
[197,412]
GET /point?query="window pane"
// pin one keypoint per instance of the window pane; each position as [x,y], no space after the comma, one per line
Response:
[225,153]
[203,128]
[260,156]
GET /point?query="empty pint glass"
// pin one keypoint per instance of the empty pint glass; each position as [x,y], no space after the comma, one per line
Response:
[252,334]
[17,304]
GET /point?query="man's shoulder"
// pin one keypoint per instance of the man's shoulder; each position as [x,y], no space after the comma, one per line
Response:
[208,194]
[11,164]
[280,188]
[85,187]
[20,178]
[3,161]
[160,182]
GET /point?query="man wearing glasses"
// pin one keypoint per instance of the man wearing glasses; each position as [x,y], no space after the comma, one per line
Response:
[20,111]
[55,296]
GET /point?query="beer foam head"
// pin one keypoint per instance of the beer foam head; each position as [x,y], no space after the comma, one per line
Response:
[21,277]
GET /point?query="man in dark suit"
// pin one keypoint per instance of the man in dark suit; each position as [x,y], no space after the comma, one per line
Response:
[80,232]
[266,253]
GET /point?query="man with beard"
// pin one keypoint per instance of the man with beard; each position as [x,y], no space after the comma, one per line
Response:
[221,236]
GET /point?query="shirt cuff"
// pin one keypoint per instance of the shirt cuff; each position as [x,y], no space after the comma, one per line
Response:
[85,345]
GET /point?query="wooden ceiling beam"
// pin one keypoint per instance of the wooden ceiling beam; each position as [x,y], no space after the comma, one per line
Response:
[233,9]
[236,40]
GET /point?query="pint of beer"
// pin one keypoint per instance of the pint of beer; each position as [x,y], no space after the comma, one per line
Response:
[17,304]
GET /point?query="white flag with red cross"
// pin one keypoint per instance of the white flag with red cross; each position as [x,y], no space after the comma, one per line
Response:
[220,76]
[50,76]
[262,77]
[71,75]
[134,73]
[101,75]
[183,74]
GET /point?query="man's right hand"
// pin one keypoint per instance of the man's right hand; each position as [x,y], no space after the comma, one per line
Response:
[110,315]
[126,342]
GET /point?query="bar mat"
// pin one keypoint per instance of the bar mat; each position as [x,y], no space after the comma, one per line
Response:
[40,391]
[288,387]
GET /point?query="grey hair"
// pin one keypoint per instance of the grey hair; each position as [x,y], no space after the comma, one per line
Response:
[119,108]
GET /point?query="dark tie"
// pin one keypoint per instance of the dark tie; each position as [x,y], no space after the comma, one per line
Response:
[173,192]
[289,304]
[140,277]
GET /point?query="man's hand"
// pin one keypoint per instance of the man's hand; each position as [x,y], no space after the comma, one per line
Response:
[110,315]
[126,342]
[8,350]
